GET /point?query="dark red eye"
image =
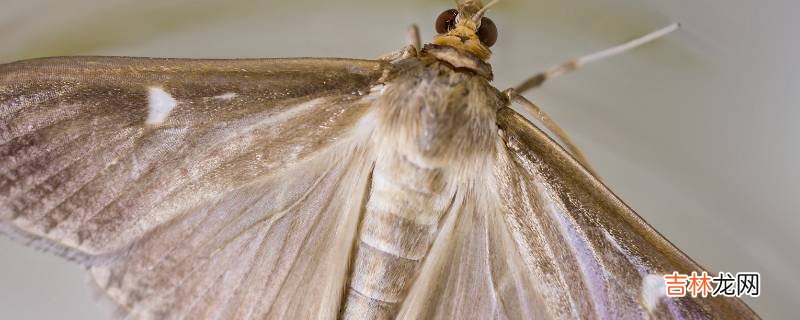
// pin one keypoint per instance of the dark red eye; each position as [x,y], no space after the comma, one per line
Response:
[487,32]
[446,21]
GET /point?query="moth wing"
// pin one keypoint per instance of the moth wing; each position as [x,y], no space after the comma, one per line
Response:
[588,254]
[473,270]
[190,186]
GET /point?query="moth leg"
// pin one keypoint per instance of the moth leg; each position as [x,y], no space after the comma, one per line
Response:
[405,52]
[551,125]
[413,37]
[574,64]
[410,50]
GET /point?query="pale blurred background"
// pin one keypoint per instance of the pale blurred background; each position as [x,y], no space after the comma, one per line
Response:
[697,132]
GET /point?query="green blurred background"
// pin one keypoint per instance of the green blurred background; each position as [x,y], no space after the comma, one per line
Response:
[697,132]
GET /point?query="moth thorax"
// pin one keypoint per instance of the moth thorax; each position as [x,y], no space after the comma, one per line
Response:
[444,120]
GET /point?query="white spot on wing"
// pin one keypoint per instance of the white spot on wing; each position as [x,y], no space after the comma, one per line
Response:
[653,290]
[227,96]
[101,275]
[159,105]
[375,92]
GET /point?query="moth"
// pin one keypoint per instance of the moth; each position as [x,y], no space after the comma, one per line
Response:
[403,187]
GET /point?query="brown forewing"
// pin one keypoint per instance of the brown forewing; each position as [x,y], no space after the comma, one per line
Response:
[207,212]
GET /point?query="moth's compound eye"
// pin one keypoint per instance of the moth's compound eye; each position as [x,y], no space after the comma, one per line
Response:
[487,32]
[446,21]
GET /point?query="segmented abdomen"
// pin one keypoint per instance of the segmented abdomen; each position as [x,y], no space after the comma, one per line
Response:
[400,223]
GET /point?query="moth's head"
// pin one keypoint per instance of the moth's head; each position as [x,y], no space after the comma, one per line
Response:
[466,29]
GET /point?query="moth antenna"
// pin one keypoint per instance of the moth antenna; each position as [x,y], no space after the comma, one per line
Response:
[478,15]
[551,125]
[574,64]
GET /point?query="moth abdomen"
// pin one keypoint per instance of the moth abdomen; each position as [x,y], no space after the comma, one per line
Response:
[399,225]
[396,235]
